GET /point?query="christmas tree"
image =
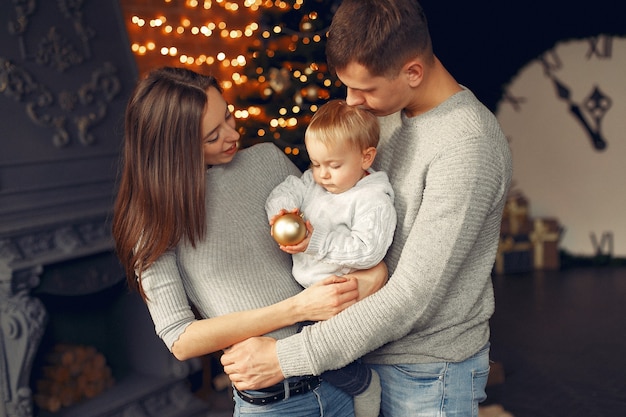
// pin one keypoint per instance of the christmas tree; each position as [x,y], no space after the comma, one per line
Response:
[287,76]
[268,54]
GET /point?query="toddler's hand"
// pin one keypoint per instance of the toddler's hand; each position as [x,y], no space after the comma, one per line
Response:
[282,212]
[303,245]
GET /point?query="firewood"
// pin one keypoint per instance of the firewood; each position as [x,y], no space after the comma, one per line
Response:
[44,402]
[66,382]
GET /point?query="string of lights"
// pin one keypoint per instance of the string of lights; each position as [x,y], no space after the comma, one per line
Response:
[268,55]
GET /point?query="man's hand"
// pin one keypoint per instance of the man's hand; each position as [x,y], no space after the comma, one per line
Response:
[253,363]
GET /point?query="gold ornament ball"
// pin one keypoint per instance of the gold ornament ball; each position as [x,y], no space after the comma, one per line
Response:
[289,229]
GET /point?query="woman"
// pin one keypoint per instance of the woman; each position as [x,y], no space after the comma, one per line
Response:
[191,230]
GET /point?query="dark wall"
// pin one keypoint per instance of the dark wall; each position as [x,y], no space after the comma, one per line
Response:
[484,43]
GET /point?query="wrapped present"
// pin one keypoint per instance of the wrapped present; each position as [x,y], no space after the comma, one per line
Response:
[514,255]
[515,217]
[545,238]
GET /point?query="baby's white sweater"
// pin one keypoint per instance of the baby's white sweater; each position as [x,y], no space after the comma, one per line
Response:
[352,229]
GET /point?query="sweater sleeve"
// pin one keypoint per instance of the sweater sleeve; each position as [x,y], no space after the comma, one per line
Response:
[462,186]
[166,298]
[287,195]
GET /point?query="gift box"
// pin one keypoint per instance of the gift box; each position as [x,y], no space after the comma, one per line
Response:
[514,255]
[515,217]
[545,238]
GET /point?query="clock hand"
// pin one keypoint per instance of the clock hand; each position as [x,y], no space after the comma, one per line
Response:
[596,138]
[599,143]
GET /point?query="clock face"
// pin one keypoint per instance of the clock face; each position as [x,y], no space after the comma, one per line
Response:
[564,114]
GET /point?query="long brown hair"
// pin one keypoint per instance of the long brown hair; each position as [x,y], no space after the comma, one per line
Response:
[160,199]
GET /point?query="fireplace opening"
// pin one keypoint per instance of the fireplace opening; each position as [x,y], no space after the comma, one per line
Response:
[71,374]
[96,326]
[80,347]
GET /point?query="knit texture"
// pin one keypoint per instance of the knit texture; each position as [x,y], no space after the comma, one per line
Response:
[238,266]
[450,169]
[352,230]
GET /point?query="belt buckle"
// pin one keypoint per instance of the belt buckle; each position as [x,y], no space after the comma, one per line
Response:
[311,382]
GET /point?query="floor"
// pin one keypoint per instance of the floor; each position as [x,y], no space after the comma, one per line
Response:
[560,338]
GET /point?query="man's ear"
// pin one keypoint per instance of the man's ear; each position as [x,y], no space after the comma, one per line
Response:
[368,157]
[414,70]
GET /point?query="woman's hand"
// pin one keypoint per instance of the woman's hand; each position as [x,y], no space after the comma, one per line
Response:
[326,298]
[370,280]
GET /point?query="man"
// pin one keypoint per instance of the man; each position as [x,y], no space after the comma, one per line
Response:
[426,332]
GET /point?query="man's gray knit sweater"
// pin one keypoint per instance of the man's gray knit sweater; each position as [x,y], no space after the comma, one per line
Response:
[450,169]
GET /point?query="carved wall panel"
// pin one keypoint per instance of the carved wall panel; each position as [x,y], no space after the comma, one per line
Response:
[65,74]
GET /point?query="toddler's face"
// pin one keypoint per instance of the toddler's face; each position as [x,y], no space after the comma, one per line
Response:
[337,168]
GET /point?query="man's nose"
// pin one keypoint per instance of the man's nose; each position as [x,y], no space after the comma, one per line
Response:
[354,98]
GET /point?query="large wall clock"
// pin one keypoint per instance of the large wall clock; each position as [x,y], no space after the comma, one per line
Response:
[564,114]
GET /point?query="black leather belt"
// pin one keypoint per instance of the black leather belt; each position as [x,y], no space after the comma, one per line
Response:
[277,392]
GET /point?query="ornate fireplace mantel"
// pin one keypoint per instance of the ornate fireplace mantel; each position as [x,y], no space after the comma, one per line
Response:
[22,321]
[29,264]
[23,257]
[66,71]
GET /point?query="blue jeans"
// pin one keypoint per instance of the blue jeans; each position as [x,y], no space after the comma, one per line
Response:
[323,401]
[353,379]
[443,389]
